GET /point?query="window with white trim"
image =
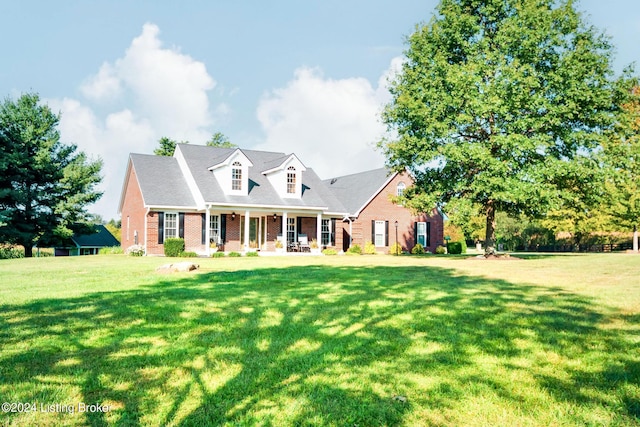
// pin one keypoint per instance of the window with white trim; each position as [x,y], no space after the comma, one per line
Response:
[291,230]
[326,232]
[170,225]
[379,231]
[236,176]
[214,229]
[400,189]
[291,180]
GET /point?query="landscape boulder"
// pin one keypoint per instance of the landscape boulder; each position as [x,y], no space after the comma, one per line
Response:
[177,267]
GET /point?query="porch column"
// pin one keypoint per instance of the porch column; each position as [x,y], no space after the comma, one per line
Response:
[246,230]
[319,230]
[207,232]
[284,231]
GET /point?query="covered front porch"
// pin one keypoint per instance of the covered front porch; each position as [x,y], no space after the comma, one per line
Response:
[267,230]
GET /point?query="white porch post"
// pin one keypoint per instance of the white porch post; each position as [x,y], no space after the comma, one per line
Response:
[284,230]
[246,230]
[207,233]
[319,230]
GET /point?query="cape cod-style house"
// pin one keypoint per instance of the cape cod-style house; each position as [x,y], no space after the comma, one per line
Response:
[245,200]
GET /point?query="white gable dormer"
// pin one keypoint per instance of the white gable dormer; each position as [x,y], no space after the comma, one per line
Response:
[233,173]
[286,177]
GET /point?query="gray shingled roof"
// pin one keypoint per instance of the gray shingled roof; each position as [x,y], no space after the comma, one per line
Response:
[354,190]
[163,184]
[200,158]
[161,181]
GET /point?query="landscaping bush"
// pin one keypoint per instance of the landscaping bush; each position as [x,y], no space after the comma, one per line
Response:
[43,253]
[188,254]
[370,248]
[440,250]
[355,250]
[135,250]
[330,251]
[235,254]
[110,250]
[456,248]
[173,246]
[395,249]
[217,255]
[9,252]
[252,254]
[418,249]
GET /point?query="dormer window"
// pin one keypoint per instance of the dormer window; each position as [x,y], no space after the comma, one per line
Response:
[236,176]
[291,180]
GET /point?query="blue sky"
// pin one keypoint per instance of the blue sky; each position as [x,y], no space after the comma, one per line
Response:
[294,76]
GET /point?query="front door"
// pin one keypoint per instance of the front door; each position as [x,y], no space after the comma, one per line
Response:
[257,230]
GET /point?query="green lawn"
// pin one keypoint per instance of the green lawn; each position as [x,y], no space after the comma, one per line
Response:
[344,341]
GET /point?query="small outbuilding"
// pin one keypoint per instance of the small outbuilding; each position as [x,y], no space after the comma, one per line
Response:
[87,244]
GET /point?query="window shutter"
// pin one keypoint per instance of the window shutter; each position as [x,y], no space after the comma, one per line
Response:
[203,239]
[298,227]
[160,228]
[386,233]
[415,233]
[181,225]
[428,234]
[333,232]
[223,228]
[373,231]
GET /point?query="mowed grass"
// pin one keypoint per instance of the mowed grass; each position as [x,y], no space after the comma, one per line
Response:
[336,341]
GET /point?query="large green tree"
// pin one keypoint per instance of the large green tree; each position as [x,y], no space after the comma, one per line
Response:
[45,185]
[622,157]
[502,103]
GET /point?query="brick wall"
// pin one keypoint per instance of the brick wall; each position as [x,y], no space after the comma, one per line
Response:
[133,212]
[382,209]
[153,248]
[193,232]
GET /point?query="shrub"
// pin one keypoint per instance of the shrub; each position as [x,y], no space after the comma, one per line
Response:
[234,254]
[217,255]
[9,252]
[43,252]
[395,249]
[440,250]
[330,251]
[252,254]
[111,250]
[370,248]
[135,250]
[418,249]
[173,246]
[189,254]
[457,247]
[355,250]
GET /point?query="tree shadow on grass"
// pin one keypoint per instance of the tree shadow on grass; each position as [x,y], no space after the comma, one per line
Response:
[319,345]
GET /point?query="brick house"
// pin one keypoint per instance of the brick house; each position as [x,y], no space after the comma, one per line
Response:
[242,200]
[372,217]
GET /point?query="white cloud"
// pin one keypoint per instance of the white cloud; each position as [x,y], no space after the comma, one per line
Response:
[332,125]
[150,92]
[103,86]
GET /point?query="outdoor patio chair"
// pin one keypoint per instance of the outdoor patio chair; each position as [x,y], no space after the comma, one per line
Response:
[303,243]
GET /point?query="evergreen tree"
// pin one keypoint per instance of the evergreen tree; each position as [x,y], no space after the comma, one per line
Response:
[45,185]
